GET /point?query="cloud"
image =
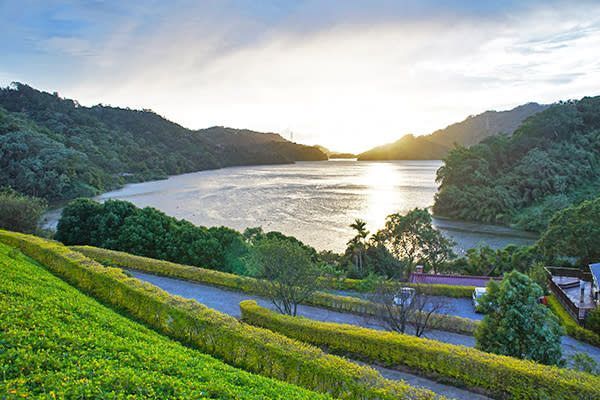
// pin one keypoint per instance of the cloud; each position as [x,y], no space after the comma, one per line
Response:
[345,75]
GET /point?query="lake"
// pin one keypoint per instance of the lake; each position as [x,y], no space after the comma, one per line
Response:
[313,201]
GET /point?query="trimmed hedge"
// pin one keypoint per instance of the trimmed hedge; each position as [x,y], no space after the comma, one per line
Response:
[360,286]
[57,343]
[253,349]
[572,327]
[501,375]
[246,284]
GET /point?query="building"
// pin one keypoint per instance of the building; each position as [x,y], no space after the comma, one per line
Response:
[574,289]
[595,270]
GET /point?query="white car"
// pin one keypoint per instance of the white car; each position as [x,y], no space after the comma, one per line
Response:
[404,296]
[477,293]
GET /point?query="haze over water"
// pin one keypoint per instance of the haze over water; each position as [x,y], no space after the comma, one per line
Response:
[313,201]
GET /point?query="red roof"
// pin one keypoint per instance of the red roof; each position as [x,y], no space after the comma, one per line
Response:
[455,280]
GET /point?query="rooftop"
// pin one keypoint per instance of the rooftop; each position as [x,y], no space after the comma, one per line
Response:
[570,286]
[595,268]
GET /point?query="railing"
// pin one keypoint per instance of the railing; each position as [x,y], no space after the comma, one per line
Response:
[572,272]
[561,296]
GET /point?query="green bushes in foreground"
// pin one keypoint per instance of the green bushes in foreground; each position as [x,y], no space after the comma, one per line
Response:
[249,285]
[500,375]
[253,349]
[572,327]
[59,343]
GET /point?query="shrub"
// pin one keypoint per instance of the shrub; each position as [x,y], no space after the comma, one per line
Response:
[250,285]
[500,375]
[253,349]
[59,343]
[20,213]
[572,327]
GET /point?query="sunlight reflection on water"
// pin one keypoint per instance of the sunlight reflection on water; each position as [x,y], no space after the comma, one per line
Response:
[314,201]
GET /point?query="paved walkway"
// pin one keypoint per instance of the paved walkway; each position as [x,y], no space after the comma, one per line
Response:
[227,302]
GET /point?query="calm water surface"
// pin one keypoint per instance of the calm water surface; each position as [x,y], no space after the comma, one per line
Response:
[313,201]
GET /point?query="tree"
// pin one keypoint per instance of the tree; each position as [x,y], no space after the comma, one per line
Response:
[412,239]
[20,213]
[517,325]
[575,232]
[403,306]
[437,250]
[358,243]
[288,273]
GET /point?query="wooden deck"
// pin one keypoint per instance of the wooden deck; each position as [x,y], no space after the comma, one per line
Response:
[574,294]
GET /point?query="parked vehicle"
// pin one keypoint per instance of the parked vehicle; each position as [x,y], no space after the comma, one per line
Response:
[404,296]
[477,293]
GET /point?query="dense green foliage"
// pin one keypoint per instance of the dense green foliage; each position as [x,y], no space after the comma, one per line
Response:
[119,225]
[253,349]
[54,148]
[395,250]
[551,161]
[485,261]
[517,324]
[58,343]
[504,377]
[572,327]
[468,132]
[19,212]
[575,232]
[250,285]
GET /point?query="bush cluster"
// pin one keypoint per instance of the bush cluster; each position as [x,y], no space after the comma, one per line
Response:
[500,375]
[59,343]
[572,327]
[253,349]
[250,285]
[359,285]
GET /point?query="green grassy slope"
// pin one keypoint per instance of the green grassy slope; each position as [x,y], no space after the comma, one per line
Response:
[58,343]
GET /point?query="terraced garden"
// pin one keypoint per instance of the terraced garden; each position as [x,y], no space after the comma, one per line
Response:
[58,343]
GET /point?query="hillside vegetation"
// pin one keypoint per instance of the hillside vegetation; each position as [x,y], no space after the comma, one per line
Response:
[466,133]
[54,148]
[551,161]
[58,343]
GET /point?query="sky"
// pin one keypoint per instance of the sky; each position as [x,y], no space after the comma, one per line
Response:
[348,74]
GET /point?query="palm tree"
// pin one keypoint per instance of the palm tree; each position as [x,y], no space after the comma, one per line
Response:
[358,242]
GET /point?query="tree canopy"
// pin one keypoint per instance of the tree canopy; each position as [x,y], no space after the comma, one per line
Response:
[289,275]
[551,161]
[54,148]
[575,232]
[517,324]
[18,212]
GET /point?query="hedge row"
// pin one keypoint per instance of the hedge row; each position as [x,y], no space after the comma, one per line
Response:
[58,343]
[572,327]
[502,376]
[361,286]
[250,285]
[250,348]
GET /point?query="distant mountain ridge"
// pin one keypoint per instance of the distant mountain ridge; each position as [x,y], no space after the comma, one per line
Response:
[471,131]
[54,148]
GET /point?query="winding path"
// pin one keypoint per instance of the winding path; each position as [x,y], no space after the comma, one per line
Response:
[227,302]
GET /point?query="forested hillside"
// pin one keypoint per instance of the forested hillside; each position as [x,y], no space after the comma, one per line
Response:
[551,161]
[54,148]
[409,147]
[466,133]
